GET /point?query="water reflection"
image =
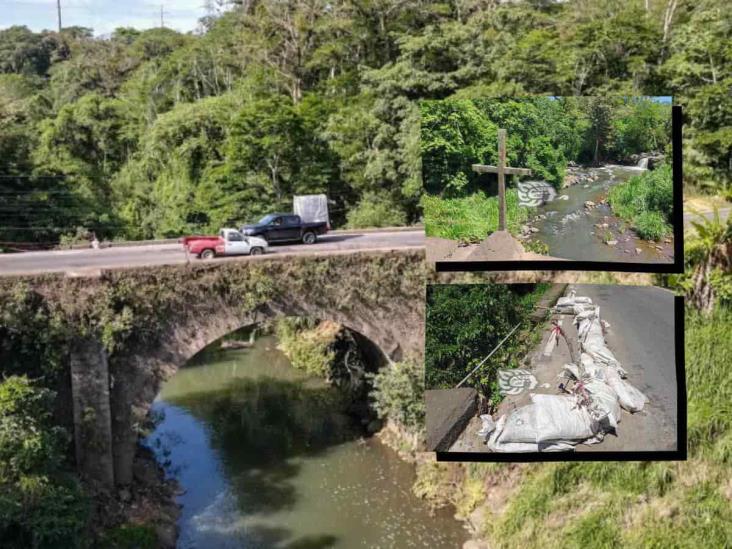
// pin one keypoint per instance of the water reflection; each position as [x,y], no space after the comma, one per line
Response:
[269,458]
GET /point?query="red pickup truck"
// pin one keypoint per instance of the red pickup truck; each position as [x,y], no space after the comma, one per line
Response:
[228,242]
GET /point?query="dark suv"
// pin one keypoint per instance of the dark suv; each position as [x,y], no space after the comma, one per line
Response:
[286,227]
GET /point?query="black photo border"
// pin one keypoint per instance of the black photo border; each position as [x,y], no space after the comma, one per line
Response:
[680,454]
[677,266]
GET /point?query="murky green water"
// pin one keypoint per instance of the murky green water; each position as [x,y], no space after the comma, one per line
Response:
[268,458]
[570,231]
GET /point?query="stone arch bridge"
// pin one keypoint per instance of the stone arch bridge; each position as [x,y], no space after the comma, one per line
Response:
[127,331]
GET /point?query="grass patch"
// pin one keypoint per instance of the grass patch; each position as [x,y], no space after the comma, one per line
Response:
[646,202]
[471,218]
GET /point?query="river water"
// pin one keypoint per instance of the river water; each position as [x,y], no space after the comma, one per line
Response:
[268,457]
[570,230]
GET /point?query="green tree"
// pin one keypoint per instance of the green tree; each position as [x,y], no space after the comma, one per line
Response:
[41,505]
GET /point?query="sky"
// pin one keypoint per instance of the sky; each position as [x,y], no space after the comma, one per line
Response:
[102,15]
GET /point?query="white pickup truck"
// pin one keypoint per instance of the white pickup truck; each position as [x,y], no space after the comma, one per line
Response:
[228,242]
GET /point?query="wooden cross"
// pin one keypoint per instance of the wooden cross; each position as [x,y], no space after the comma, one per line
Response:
[501,170]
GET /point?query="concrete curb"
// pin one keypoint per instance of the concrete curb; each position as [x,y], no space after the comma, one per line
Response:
[448,411]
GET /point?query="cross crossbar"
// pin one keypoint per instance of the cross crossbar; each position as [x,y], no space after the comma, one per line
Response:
[485,168]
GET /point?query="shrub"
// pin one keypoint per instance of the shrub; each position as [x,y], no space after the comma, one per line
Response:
[646,202]
[398,393]
[40,504]
[375,210]
[650,225]
[307,344]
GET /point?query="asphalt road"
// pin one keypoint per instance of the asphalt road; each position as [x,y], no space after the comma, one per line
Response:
[171,254]
[724,214]
[641,335]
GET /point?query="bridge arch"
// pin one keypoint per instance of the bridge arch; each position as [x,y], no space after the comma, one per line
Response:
[384,314]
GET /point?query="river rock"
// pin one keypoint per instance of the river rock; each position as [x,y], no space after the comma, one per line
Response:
[590,204]
[534,229]
[611,242]
[563,197]
[638,251]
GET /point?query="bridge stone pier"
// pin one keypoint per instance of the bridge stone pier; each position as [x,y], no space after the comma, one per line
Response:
[130,330]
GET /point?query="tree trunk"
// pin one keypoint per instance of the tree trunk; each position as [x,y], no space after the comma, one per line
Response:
[702,294]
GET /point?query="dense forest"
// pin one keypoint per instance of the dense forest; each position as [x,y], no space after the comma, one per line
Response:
[155,133]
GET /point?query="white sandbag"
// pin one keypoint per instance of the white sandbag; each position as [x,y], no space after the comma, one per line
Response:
[488,425]
[565,302]
[573,371]
[514,447]
[530,447]
[586,361]
[580,308]
[520,425]
[559,417]
[629,397]
[500,424]
[496,443]
[605,400]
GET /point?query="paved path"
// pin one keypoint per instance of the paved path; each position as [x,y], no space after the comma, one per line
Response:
[173,253]
[724,214]
[641,335]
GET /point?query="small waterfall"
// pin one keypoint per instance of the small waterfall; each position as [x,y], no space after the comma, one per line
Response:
[643,163]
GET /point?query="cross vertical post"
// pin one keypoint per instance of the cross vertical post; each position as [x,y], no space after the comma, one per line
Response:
[501,180]
[501,170]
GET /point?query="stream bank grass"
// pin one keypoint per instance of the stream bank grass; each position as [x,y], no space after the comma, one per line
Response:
[471,218]
[646,202]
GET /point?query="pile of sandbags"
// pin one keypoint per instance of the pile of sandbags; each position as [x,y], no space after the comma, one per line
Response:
[593,407]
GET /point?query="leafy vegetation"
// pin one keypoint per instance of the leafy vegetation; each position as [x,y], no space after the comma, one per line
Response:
[465,322]
[41,503]
[307,344]
[472,217]
[398,394]
[646,201]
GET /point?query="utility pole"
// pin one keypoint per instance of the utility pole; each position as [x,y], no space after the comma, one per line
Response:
[162,17]
[58,10]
